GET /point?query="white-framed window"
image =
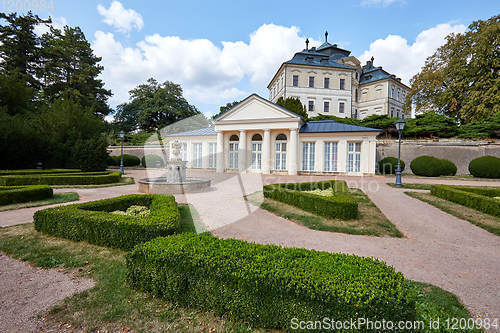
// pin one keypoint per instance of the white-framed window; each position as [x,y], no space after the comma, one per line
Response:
[327,82]
[212,155]
[256,152]
[280,153]
[311,106]
[295,81]
[233,152]
[353,156]
[342,84]
[326,106]
[197,155]
[341,107]
[184,151]
[330,156]
[392,112]
[311,81]
[308,152]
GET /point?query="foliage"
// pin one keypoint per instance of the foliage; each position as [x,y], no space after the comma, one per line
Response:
[153,106]
[129,160]
[293,104]
[388,165]
[77,178]
[485,167]
[489,127]
[152,161]
[430,166]
[91,154]
[16,96]
[340,205]
[93,221]
[15,194]
[113,160]
[135,210]
[225,108]
[267,285]
[466,196]
[37,171]
[431,125]
[461,79]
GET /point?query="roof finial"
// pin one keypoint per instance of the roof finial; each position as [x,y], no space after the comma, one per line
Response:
[326,36]
[372,59]
[307,43]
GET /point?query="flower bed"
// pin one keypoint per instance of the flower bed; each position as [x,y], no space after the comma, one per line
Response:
[16,194]
[95,223]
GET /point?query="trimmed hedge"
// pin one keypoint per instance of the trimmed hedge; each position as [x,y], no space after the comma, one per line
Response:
[16,194]
[76,178]
[129,160]
[93,221]
[389,165]
[430,166]
[37,171]
[485,167]
[481,199]
[151,160]
[340,205]
[267,285]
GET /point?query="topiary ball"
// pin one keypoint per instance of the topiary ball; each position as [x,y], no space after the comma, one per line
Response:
[389,165]
[448,168]
[112,161]
[152,161]
[485,167]
[129,160]
[427,166]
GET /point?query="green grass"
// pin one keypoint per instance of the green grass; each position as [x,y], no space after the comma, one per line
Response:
[371,220]
[123,181]
[112,306]
[56,198]
[414,186]
[482,220]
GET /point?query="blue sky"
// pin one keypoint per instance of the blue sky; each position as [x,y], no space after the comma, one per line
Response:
[224,50]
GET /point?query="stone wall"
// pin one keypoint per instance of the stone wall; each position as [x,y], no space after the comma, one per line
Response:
[138,151]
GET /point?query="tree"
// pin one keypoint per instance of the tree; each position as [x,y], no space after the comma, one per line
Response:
[71,70]
[461,79]
[293,104]
[225,108]
[15,93]
[153,106]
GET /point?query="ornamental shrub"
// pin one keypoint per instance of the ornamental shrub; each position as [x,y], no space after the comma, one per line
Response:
[340,205]
[16,194]
[389,165]
[267,285]
[152,161]
[448,168]
[430,166]
[477,198]
[129,160]
[113,160]
[95,223]
[91,154]
[485,167]
[75,178]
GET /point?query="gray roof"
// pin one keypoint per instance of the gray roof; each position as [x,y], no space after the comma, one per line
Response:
[313,58]
[331,126]
[197,132]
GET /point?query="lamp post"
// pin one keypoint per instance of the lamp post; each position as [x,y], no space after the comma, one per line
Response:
[400,125]
[122,135]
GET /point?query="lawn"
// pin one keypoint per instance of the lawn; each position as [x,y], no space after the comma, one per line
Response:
[56,198]
[413,186]
[371,220]
[482,220]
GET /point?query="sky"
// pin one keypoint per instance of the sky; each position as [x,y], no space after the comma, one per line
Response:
[221,51]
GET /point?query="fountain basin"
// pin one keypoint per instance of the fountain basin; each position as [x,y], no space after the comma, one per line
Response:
[162,186]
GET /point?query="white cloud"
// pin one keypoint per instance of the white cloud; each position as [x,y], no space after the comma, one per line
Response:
[57,22]
[207,72]
[383,3]
[399,57]
[123,20]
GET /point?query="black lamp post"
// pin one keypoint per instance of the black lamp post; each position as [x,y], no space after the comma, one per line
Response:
[122,135]
[400,125]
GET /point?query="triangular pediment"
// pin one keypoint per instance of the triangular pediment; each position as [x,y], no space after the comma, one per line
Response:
[255,107]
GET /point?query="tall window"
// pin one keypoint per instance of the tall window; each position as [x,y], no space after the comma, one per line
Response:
[354,157]
[356,95]
[308,156]
[212,155]
[326,106]
[342,84]
[357,75]
[311,106]
[257,152]
[327,82]
[295,80]
[392,112]
[233,152]
[184,151]
[330,156]
[311,81]
[280,154]
[341,107]
[197,155]
[392,93]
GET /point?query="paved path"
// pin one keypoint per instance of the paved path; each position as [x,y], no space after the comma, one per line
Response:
[438,248]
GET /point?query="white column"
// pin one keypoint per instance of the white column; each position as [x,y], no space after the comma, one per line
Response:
[342,156]
[365,156]
[292,153]
[242,151]
[266,151]
[319,161]
[220,152]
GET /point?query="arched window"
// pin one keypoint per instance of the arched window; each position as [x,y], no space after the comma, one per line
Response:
[281,137]
[234,137]
[257,137]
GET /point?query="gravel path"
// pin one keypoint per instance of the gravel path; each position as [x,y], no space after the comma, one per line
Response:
[26,292]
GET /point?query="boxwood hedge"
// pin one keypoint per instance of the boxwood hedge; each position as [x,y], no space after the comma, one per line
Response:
[66,178]
[478,198]
[389,165]
[340,205]
[15,194]
[36,171]
[93,221]
[430,166]
[267,285]
[485,167]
